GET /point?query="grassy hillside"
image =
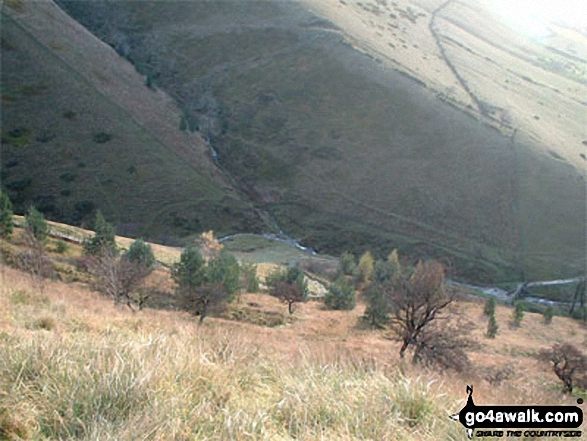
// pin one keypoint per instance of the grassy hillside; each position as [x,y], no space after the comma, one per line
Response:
[74,366]
[81,131]
[346,152]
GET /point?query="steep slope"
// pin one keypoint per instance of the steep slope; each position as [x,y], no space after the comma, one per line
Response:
[345,151]
[74,365]
[81,131]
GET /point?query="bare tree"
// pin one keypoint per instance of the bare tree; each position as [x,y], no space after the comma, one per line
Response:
[568,363]
[117,276]
[445,346]
[34,259]
[417,298]
[205,297]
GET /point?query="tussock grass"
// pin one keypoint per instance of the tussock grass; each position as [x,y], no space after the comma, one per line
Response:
[74,366]
[210,385]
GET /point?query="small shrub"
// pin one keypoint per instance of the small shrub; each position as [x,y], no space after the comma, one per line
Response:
[68,177]
[548,314]
[19,137]
[45,323]
[61,247]
[69,114]
[102,137]
[23,297]
[45,137]
[497,375]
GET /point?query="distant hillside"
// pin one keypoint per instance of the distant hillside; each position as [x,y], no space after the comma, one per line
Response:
[343,150]
[81,131]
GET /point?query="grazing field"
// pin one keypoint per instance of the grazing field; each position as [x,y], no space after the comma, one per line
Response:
[345,150]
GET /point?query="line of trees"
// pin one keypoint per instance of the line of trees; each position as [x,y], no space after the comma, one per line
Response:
[413,301]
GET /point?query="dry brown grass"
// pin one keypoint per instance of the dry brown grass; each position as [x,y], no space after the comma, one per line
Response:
[157,375]
[500,65]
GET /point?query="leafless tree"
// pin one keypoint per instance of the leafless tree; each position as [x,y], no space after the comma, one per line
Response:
[204,298]
[496,375]
[417,298]
[568,363]
[34,260]
[117,276]
[445,346]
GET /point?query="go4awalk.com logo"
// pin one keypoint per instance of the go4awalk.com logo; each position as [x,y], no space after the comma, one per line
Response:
[520,421]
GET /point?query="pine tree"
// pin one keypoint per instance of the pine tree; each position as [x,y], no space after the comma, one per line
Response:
[141,253]
[224,269]
[518,314]
[104,238]
[347,263]
[393,260]
[378,307]
[36,225]
[492,327]
[364,269]
[489,309]
[341,295]
[249,275]
[5,215]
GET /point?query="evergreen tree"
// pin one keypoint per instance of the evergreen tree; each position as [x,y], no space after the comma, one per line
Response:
[378,307]
[341,295]
[36,225]
[394,263]
[201,285]
[249,274]
[103,239]
[190,272]
[347,263]
[364,269]
[492,327]
[382,271]
[489,308]
[141,253]
[5,215]
[518,314]
[224,270]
